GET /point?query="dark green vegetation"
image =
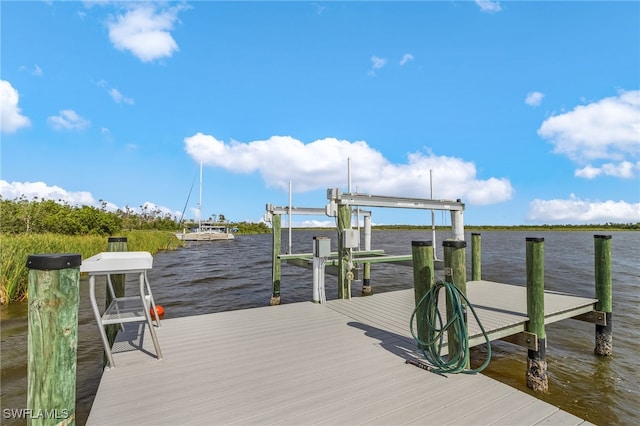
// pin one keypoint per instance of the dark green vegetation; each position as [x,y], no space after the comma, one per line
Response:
[47,216]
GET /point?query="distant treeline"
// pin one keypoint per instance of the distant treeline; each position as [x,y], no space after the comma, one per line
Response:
[605,227]
[39,216]
[584,227]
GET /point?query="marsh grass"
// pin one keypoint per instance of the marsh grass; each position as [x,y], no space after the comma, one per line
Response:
[15,249]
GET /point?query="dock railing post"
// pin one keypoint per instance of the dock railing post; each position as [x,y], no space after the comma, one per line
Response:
[423,278]
[118,282]
[536,375]
[456,274]
[52,343]
[276,262]
[344,223]
[604,294]
[476,257]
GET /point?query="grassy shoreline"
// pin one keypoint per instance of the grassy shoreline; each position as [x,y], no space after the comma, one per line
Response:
[16,249]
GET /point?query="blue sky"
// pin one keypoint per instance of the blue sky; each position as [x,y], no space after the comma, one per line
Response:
[527,111]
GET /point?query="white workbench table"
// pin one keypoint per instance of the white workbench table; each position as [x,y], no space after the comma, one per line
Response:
[122,309]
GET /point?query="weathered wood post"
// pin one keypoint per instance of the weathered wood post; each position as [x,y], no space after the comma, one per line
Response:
[604,294]
[276,229]
[455,273]
[423,279]
[476,257]
[53,337]
[536,360]
[118,282]
[344,223]
[366,278]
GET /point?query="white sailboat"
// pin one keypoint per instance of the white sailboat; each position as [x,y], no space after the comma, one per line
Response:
[206,230]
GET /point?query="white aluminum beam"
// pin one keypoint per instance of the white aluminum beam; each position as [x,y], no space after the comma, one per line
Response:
[397,202]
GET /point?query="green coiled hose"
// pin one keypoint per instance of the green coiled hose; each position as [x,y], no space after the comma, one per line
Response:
[427,313]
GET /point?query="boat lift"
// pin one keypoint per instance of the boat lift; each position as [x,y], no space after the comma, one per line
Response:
[340,206]
[273,215]
[346,262]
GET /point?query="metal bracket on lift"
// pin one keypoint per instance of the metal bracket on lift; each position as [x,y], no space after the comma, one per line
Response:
[595,317]
[525,339]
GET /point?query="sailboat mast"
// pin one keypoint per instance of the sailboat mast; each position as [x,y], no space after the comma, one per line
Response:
[200,202]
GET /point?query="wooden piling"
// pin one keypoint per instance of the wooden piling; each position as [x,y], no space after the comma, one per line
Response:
[536,374]
[52,337]
[604,294]
[118,283]
[344,223]
[366,280]
[423,278]
[476,257]
[456,274]
[366,277]
[276,222]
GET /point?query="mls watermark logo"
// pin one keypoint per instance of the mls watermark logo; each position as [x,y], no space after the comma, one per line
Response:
[29,413]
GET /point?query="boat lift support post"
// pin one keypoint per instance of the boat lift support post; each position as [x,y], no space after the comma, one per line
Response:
[341,204]
[273,215]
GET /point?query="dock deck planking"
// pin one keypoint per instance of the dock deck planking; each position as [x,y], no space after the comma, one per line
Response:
[501,308]
[304,363]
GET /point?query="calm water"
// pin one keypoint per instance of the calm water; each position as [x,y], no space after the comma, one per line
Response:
[213,277]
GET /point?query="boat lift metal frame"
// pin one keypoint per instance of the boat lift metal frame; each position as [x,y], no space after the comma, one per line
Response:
[340,205]
[347,260]
[337,197]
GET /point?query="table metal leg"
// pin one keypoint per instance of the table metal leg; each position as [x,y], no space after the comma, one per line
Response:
[147,314]
[153,302]
[96,312]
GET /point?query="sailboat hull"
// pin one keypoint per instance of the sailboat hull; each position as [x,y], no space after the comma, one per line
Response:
[205,236]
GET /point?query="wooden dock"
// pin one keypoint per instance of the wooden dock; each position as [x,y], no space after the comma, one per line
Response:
[304,363]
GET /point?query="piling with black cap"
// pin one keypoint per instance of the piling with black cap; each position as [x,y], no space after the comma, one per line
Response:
[536,374]
[423,278]
[53,336]
[604,294]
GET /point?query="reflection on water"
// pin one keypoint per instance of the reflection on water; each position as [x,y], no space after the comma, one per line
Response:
[210,277]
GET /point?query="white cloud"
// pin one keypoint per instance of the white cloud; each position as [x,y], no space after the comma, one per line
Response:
[377,62]
[11,118]
[68,119]
[115,94]
[489,6]
[623,170]
[407,57]
[534,98]
[588,172]
[608,129]
[119,97]
[37,71]
[150,207]
[574,210]
[318,8]
[314,223]
[145,31]
[322,164]
[41,190]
